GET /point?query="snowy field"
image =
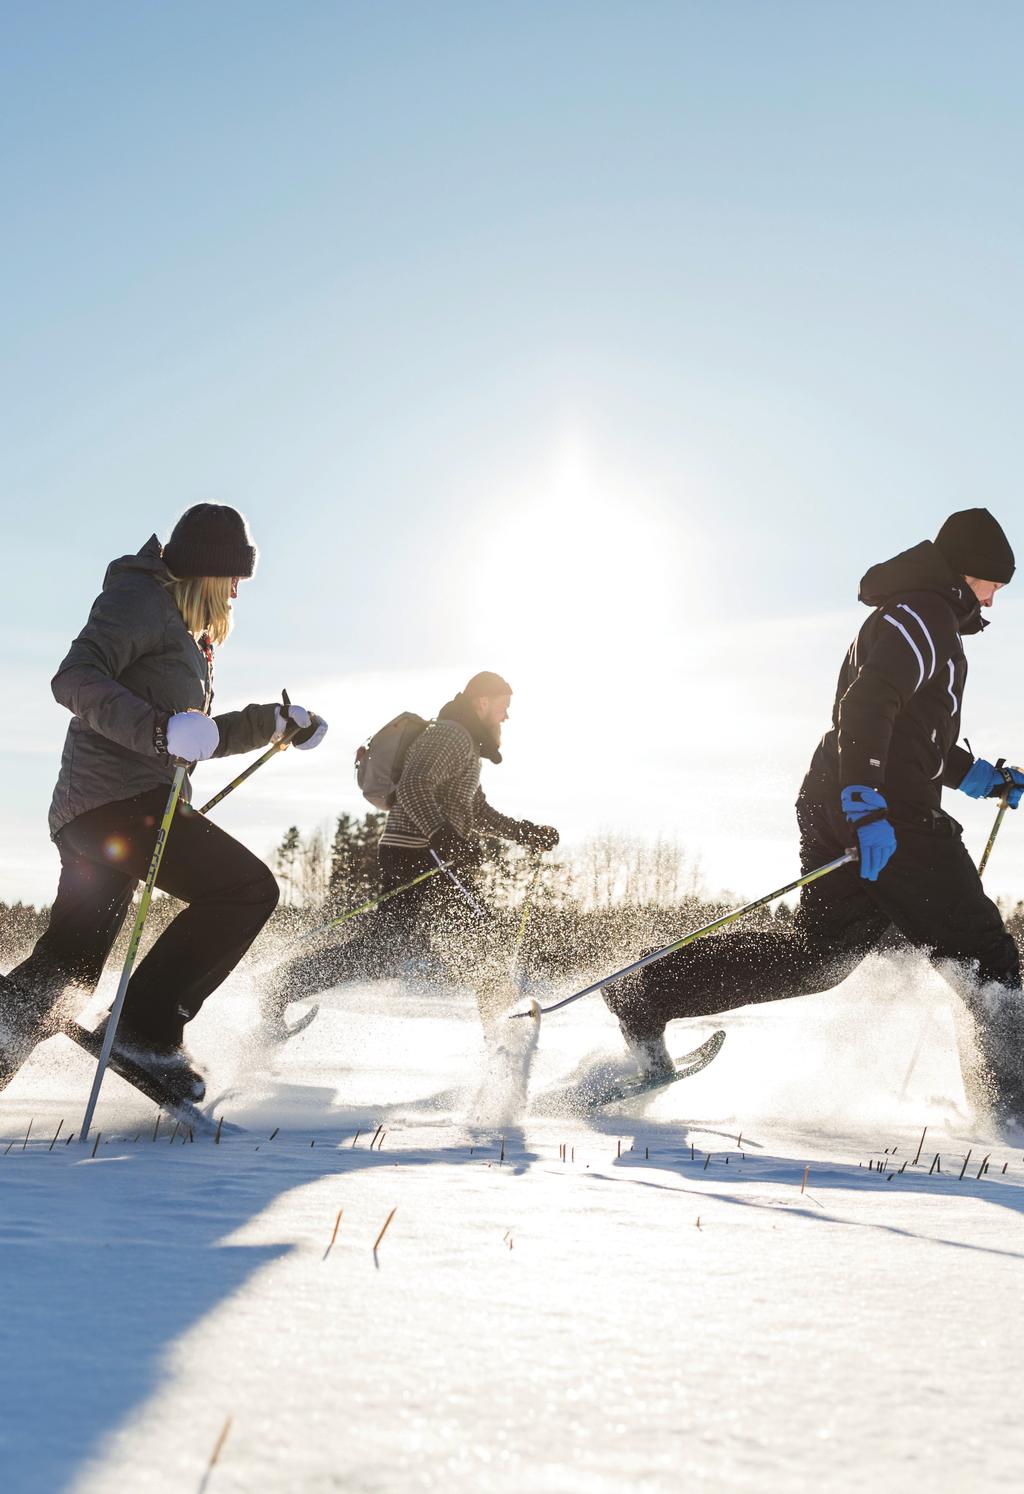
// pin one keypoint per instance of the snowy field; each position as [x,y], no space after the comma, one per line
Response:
[650,1298]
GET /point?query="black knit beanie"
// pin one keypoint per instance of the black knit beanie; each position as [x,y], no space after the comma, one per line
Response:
[210,539]
[486,683]
[975,545]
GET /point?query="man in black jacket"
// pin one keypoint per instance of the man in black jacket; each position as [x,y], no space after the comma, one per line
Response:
[875,782]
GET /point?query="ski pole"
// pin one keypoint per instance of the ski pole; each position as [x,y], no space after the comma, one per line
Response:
[277,747]
[133,944]
[1004,805]
[709,928]
[470,899]
[370,904]
[367,907]
[517,942]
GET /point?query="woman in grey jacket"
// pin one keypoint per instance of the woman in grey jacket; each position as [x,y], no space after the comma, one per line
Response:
[138,680]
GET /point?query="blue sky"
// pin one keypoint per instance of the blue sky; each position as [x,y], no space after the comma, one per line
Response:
[604,343]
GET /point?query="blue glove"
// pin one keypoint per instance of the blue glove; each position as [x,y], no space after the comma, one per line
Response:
[987,781]
[866,810]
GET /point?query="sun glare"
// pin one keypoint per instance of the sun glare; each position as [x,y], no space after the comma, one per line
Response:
[580,569]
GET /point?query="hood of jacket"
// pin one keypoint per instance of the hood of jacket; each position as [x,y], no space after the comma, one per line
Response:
[148,561]
[485,738]
[922,568]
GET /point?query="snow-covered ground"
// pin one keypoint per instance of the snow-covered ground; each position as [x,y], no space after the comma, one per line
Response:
[651,1297]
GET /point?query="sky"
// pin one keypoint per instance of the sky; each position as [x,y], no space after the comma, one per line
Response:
[602,345]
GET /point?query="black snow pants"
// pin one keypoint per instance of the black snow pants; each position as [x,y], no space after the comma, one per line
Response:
[104,855]
[930,892]
[431,924]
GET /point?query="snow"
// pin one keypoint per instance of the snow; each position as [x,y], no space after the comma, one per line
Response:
[633,1316]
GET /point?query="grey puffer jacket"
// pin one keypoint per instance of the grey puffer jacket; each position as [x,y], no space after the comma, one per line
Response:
[132,665]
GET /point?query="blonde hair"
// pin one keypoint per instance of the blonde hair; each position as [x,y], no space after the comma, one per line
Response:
[205,605]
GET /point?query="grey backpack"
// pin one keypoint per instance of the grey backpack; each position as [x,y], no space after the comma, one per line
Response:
[379,762]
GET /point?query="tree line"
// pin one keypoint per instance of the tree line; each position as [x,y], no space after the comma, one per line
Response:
[612,896]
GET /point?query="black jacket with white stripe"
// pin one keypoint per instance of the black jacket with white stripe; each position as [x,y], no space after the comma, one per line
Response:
[896,717]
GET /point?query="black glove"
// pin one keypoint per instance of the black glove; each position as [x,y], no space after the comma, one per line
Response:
[537,837]
[451,846]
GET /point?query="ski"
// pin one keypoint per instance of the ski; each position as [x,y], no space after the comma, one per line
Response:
[185,1112]
[685,1067]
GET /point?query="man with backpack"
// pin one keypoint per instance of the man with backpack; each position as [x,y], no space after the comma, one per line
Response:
[427,775]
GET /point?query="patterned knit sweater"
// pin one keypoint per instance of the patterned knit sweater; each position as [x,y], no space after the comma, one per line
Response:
[440,785]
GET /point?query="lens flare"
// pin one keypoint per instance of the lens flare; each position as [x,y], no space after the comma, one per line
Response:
[115,848]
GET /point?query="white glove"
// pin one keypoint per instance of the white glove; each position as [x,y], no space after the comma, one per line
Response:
[192,737]
[309,736]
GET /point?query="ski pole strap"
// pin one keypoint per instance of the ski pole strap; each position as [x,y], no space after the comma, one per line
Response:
[709,928]
[133,944]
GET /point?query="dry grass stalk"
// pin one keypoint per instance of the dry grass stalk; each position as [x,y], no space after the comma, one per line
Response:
[334,1235]
[383,1229]
[215,1455]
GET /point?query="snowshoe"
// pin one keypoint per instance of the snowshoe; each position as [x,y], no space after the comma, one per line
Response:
[660,1078]
[169,1065]
[645,1043]
[143,1080]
